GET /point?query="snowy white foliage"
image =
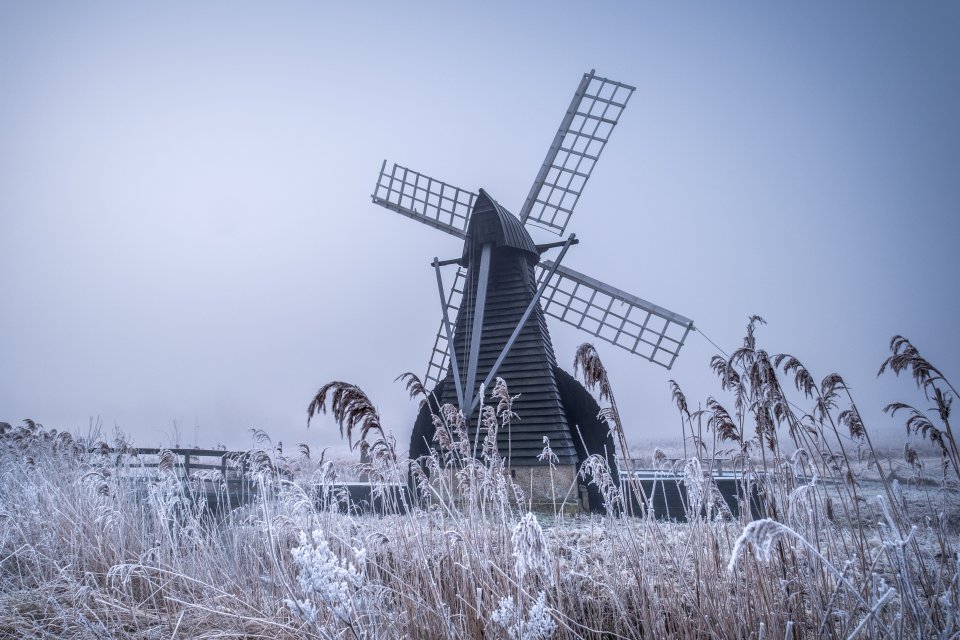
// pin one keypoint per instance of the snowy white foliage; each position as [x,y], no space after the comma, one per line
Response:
[760,534]
[325,580]
[530,551]
[534,624]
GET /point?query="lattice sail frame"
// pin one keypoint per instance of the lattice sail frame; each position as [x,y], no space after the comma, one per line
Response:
[584,131]
[418,196]
[440,356]
[622,319]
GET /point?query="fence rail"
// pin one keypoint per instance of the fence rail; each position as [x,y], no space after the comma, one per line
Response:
[234,465]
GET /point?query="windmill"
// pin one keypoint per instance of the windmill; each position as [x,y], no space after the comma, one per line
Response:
[494,312]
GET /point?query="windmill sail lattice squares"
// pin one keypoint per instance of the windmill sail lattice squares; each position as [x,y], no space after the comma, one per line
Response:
[629,322]
[438,204]
[584,131]
[440,356]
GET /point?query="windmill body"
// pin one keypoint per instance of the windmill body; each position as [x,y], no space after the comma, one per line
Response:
[528,367]
[494,314]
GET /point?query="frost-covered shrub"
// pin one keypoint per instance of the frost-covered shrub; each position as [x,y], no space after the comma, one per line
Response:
[328,583]
[534,624]
[530,552]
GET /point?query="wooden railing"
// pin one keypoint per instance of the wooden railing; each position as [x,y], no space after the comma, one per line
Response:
[233,465]
[676,464]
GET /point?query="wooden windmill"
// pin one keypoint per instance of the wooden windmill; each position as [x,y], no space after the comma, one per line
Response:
[493,322]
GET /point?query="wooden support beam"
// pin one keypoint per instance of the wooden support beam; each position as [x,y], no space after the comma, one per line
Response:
[482,278]
[446,327]
[526,315]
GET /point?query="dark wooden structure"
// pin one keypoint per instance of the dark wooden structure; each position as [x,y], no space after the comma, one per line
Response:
[494,316]
[551,402]
[529,367]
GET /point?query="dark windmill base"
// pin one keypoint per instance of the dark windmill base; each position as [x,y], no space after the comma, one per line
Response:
[545,488]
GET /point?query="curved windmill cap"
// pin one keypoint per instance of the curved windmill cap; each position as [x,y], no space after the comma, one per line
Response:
[490,222]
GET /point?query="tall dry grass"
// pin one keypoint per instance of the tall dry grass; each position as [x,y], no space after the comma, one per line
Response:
[87,551]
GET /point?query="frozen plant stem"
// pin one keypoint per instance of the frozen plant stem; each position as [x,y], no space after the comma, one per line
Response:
[762,534]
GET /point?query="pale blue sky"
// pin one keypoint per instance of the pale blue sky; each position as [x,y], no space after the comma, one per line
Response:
[187,233]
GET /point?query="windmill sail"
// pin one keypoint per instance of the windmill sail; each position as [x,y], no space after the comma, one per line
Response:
[583,133]
[440,356]
[432,202]
[610,314]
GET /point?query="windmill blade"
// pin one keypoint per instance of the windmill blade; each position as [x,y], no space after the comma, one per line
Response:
[440,356]
[613,315]
[583,133]
[434,203]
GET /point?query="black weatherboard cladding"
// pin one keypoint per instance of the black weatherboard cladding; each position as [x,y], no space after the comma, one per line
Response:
[590,434]
[529,366]
[551,402]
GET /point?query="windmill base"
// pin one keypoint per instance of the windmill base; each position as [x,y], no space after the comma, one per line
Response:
[548,490]
[542,490]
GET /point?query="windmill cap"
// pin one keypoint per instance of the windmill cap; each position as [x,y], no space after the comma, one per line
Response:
[491,222]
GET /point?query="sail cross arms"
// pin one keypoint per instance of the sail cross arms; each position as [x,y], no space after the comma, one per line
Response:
[622,319]
[584,131]
[432,202]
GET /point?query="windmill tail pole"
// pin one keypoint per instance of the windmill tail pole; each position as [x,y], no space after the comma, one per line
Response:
[458,384]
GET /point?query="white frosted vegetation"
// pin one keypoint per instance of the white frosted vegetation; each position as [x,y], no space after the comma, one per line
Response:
[86,551]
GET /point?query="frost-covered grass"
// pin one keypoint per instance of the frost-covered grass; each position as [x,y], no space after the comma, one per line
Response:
[86,552]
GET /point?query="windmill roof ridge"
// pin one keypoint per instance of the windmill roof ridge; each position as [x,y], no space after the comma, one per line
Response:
[492,222]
